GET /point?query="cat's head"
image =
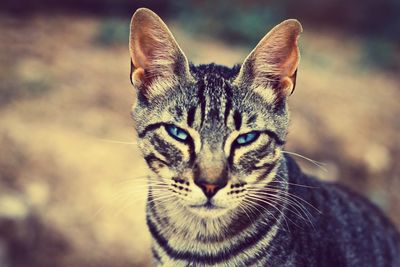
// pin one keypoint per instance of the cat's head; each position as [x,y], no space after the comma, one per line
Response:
[210,134]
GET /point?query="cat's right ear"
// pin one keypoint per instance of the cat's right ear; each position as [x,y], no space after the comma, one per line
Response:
[271,67]
[157,62]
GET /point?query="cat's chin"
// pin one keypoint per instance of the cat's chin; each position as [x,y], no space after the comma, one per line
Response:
[207,211]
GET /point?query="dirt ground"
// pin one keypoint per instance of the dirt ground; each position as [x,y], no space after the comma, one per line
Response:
[72,183]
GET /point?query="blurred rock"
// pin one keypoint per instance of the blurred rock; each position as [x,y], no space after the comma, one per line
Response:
[377,158]
[37,193]
[3,254]
[13,207]
[328,171]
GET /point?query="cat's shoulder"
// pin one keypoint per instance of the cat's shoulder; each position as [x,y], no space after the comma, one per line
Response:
[334,201]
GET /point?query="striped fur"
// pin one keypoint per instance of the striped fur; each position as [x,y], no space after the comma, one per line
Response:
[266,212]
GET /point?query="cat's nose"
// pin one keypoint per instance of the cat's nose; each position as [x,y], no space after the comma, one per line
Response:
[210,189]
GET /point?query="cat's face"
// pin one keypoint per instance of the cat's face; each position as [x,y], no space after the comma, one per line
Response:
[211,135]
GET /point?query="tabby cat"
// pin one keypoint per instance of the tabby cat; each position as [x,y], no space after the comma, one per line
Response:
[222,191]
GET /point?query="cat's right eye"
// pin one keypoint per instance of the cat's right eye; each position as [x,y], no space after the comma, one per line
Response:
[177,133]
[247,138]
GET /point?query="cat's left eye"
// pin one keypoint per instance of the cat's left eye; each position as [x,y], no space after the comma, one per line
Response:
[177,133]
[247,138]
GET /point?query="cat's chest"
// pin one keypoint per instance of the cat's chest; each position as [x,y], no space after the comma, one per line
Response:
[250,247]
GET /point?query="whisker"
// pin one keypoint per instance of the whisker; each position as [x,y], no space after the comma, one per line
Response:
[120,196]
[115,141]
[140,181]
[253,200]
[283,198]
[294,184]
[158,198]
[134,193]
[132,185]
[298,208]
[316,163]
[161,199]
[286,193]
[144,177]
[271,204]
[136,178]
[252,203]
[243,209]
[140,186]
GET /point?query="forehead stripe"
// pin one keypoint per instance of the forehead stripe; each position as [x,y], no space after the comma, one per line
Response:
[237,117]
[190,116]
[252,119]
[202,101]
[228,105]
[149,128]
[274,136]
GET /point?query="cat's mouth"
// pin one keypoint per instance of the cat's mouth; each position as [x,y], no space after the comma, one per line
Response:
[206,206]
[208,210]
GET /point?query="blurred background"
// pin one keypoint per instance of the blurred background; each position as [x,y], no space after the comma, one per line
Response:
[72,184]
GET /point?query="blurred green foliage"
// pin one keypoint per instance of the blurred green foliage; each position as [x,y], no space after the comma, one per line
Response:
[381,53]
[376,23]
[234,21]
[244,21]
[15,85]
[113,31]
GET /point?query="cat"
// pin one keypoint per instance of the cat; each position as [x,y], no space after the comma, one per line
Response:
[222,191]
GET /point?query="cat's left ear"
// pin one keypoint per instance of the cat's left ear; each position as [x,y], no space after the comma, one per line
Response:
[157,62]
[271,67]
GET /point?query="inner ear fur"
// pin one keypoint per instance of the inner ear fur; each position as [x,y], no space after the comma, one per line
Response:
[274,61]
[155,55]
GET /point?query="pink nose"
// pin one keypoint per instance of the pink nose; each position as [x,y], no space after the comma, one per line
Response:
[209,189]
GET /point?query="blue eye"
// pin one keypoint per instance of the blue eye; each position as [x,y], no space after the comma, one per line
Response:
[247,138]
[177,133]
